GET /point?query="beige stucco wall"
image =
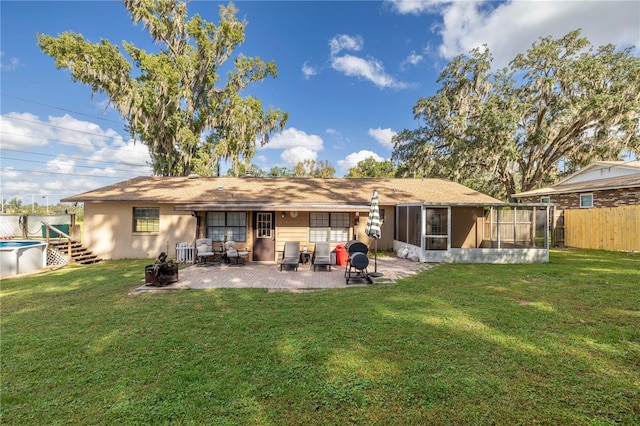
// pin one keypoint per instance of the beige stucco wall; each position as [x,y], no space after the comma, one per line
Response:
[108,231]
[386,229]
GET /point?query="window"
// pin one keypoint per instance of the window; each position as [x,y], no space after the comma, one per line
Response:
[545,200]
[332,227]
[264,225]
[227,226]
[146,219]
[437,229]
[586,200]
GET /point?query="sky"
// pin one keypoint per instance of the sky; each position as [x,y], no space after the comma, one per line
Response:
[349,74]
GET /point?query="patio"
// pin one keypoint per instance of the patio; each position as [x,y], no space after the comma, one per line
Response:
[269,276]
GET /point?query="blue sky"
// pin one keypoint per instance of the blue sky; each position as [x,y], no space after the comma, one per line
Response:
[349,74]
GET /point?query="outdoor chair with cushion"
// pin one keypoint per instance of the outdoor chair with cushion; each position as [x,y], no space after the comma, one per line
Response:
[235,255]
[291,255]
[204,248]
[322,255]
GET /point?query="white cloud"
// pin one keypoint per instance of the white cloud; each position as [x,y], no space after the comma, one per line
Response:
[61,165]
[132,158]
[84,134]
[298,154]
[292,137]
[354,66]
[383,136]
[415,7]
[412,60]
[297,145]
[84,152]
[345,42]
[511,27]
[308,71]
[354,158]
[14,63]
[369,69]
[23,131]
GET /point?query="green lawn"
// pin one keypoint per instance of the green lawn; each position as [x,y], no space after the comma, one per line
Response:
[555,343]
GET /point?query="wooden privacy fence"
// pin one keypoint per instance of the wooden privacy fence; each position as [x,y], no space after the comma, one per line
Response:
[614,228]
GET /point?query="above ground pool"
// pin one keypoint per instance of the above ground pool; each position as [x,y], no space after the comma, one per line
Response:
[22,257]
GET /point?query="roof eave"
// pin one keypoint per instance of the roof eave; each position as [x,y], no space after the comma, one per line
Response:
[272,207]
[570,191]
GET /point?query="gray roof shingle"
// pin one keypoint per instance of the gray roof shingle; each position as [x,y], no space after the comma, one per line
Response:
[300,191]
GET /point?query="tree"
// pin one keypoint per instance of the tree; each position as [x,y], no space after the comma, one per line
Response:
[253,170]
[371,168]
[279,171]
[313,168]
[507,131]
[175,102]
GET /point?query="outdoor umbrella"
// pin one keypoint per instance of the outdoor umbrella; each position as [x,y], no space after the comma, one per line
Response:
[373,228]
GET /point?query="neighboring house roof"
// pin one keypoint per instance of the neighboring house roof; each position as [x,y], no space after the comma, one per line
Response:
[594,177]
[254,192]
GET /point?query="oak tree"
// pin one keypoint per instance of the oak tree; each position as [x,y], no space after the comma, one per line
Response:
[175,100]
[372,168]
[555,109]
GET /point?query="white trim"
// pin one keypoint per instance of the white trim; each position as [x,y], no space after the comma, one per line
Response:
[580,200]
[278,207]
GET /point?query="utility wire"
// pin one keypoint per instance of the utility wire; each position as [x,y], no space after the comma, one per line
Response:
[72,143]
[6,169]
[63,128]
[59,108]
[73,157]
[75,165]
[38,82]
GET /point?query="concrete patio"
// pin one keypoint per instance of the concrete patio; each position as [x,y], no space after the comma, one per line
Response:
[269,276]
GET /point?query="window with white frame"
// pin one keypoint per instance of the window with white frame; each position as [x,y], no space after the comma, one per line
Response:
[586,200]
[227,226]
[325,226]
[545,200]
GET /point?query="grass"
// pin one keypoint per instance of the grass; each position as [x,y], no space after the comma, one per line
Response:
[555,343]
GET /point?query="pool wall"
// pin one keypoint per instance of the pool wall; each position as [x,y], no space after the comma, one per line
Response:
[22,257]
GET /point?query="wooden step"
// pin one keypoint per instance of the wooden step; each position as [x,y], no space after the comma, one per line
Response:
[79,254]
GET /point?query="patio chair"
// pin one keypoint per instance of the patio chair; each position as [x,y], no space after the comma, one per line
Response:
[235,254]
[291,255]
[322,255]
[204,249]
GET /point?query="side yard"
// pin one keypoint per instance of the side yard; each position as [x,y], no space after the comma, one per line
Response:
[555,343]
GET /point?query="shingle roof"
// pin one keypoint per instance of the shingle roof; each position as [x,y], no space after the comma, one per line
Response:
[620,182]
[300,191]
[633,166]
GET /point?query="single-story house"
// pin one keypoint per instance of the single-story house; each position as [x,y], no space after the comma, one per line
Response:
[431,220]
[600,184]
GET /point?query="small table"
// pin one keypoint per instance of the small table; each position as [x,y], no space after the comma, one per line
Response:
[305,257]
[219,256]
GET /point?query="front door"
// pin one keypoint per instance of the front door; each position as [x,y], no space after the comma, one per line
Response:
[265,237]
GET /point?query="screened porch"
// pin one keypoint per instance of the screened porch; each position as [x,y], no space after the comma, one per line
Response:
[500,233]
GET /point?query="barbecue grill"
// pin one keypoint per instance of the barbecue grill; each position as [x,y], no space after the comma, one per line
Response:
[357,262]
[161,273]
